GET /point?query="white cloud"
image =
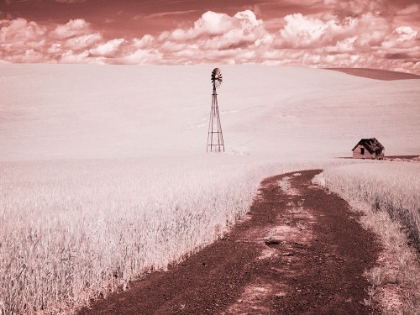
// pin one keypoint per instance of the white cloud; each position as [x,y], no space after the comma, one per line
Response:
[83,41]
[301,32]
[403,37]
[20,33]
[365,40]
[358,33]
[146,41]
[107,49]
[212,24]
[248,20]
[355,8]
[370,39]
[344,46]
[406,33]
[72,28]
[55,49]
[171,47]
[72,57]
[214,36]
[141,56]
[23,41]
[27,55]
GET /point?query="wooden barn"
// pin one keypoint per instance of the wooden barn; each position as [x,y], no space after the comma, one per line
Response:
[369,149]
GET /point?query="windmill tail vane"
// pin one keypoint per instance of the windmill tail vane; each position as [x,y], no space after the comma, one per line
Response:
[215,142]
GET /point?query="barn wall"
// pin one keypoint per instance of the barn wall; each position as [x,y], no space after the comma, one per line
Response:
[367,155]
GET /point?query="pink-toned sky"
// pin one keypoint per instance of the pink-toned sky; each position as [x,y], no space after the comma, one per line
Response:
[382,34]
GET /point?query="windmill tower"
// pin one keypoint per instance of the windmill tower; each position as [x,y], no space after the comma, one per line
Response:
[215,141]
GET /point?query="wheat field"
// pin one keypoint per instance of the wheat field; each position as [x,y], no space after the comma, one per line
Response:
[104,175]
[74,231]
[387,193]
[392,187]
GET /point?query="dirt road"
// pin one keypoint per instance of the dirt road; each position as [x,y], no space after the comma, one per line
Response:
[300,251]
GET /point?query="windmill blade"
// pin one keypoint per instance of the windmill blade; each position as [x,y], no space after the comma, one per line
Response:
[216,77]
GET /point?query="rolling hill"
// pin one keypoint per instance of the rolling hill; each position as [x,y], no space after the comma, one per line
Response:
[91,111]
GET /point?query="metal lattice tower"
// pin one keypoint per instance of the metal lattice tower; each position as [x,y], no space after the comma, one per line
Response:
[215,141]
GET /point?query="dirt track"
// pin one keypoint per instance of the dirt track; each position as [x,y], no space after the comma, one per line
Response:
[300,251]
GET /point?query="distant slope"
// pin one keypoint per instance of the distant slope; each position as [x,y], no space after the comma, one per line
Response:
[91,111]
[377,74]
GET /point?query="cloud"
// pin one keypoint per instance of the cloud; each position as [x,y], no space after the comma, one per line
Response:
[108,49]
[402,37]
[161,14]
[20,41]
[405,33]
[141,56]
[21,33]
[213,37]
[145,41]
[357,8]
[366,39]
[23,41]
[383,8]
[83,41]
[215,32]
[74,57]
[72,28]
[303,32]
[210,24]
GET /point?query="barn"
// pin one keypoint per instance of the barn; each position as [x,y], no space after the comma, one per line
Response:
[369,149]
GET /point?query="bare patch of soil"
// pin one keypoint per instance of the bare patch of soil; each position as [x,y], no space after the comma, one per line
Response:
[301,251]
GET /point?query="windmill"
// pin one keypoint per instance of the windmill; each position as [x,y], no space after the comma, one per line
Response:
[215,135]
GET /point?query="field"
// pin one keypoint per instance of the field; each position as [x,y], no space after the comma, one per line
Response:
[392,187]
[104,175]
[388,195]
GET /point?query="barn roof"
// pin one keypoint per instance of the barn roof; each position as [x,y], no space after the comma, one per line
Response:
[371,144]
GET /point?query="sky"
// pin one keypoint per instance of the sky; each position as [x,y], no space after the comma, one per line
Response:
[381,34]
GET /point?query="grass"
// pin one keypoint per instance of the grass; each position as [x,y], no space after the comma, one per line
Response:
[388,195]
[386,186]
[79,229]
